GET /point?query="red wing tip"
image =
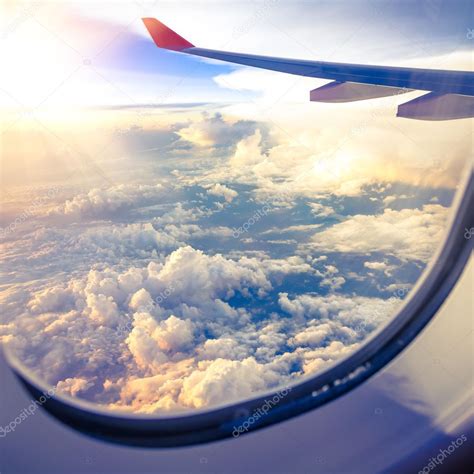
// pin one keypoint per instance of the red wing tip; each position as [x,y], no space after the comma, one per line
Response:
[165,37]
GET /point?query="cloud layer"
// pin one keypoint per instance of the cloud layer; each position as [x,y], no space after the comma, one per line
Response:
[141,295]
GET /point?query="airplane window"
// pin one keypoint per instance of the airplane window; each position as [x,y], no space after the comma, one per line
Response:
[180,234]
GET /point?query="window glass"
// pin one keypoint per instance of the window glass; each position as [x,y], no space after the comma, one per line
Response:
[179,233]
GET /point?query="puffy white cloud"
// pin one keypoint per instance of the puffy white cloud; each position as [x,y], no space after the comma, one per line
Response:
[51,299]
[411,234]
[376,265]
[173,334]
[248,151]
[331,278]
[216,131]
[389,199]
[333,282]
[99,202]
[152,343]
[320,210]
[221,190]
[345,155]
[380,266]
[125,239]
[223,381]
[130,281]
[102,309]
[286,266]
[73,386]
[222,348]
[312,335]
[180,215]
[140,299]
[359,314]
[316,359]
[199,277]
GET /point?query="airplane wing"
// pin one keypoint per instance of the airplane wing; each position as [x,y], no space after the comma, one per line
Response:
[450,94]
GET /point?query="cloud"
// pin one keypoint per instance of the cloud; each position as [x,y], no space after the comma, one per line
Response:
[125,239]
[376,265]
[409,234]
[314,360]
[248,151]
[342,156]
[286,266]
[180,215]
[165,336]
[108,201]
[312,336]
[358,314]
[74,386]
[389,199]
[214,131]
[223,381]
[320,210]
[51,299]
[102,309]
[199,277]
[151,343]
[149,323]
[221,190]
[222,348]
[333,282]
[136,296]
[380,266]
[330,277]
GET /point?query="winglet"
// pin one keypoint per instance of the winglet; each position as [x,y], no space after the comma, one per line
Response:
[165,37]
